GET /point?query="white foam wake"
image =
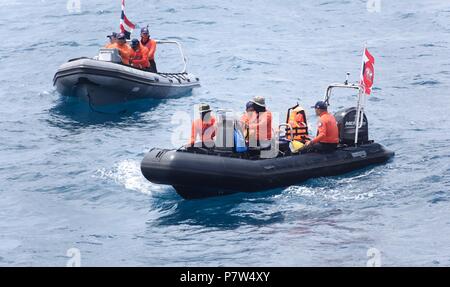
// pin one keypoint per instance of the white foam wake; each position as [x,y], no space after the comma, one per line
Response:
[333,194]
[128,174]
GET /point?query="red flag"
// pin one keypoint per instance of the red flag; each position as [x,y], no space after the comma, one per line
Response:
[368,72]
[126,26]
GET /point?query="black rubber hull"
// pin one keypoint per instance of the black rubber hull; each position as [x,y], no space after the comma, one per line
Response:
[198,176]
[103,83]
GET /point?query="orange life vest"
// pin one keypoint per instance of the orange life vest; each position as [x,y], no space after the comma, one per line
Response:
[140,59]
[126,53]
[151,47]
[203,129]
[296,118]
[260,126]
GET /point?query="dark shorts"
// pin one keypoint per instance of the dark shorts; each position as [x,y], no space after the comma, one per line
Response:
[152,67]
[323,147]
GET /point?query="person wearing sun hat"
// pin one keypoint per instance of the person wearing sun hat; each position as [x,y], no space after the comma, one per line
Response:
[204,127]
[260,124]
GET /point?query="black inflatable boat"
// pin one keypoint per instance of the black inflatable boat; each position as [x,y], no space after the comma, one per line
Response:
[204,172]
[198,173]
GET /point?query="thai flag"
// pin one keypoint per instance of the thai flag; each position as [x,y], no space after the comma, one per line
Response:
[126,26]
[368,72]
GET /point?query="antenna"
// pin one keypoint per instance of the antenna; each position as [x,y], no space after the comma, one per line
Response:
[346,78]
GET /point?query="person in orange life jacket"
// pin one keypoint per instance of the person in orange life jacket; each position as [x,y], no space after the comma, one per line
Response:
[125,51]
[112,40]
[150,44]
[260,124]
[245,119]
[140,59]
[297,121]
[204,128]
[327,137]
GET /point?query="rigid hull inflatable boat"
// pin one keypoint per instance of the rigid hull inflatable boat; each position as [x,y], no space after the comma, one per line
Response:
[204,172]
[104,80]
[199,173]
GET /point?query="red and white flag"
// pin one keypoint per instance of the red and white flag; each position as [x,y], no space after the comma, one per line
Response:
[126,26]
[368,72]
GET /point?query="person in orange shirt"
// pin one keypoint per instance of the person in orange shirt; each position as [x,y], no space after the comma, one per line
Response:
[125,51]
[140,59]
[327,137]
[150,44]
[260,124]
[112,40]
[203,128]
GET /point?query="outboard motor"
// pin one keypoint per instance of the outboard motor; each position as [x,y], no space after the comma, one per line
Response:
[346,120]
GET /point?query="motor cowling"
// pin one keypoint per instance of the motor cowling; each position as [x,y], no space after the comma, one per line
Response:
[346,120]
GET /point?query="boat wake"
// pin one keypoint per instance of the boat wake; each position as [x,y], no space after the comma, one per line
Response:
[330,194]
[336,189]
[127,173]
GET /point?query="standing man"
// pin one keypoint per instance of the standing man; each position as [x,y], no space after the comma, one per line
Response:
[327,134]
[150,44]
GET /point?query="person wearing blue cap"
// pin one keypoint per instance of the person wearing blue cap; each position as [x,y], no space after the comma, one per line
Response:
[150,44]
[327,137]
[140,58]
[245,119]
[125,51]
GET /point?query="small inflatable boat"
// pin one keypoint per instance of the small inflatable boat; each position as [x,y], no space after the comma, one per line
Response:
[197,172]
[103,80]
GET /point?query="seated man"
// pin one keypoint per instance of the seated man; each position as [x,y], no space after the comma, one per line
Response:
[260,124]
[125,51]
[245,119]
[203,128]
[327,134]
[140,59]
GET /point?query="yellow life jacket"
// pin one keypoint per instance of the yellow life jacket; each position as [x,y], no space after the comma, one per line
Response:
[299,124]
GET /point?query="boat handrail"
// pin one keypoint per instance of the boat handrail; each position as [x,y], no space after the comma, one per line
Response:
[287,126]
[179,48]
[330,87]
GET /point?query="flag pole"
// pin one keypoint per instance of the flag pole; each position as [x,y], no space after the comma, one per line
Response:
[359,107]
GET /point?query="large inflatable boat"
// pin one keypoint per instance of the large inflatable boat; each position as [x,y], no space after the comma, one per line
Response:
[204,172]
[197,173]
[104,80]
